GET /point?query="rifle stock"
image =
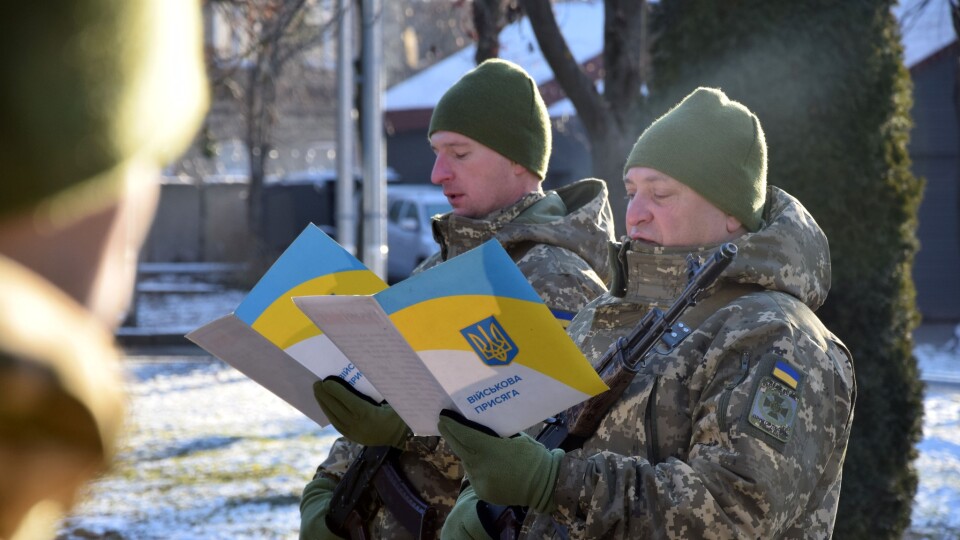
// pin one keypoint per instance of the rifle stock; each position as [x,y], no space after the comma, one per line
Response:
[373,479]
[352,504]
[617,368]
[354,527]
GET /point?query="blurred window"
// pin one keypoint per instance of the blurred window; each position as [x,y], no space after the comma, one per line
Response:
[393,213]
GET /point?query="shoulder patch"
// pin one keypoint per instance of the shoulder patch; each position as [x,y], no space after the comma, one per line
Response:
[776,398]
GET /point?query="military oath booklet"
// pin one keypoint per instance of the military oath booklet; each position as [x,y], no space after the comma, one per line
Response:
[470,334]
[271,341]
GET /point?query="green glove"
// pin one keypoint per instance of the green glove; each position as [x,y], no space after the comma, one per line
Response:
[464,521]
[357,417]
[314,505]
[515,471]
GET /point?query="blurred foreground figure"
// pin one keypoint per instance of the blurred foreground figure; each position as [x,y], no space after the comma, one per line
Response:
[97,96]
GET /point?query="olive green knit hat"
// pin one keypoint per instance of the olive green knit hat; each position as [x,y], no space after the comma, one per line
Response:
[498,105]
[89,85]
[713,145]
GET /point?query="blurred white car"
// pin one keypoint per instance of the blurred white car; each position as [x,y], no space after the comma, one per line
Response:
[409,235]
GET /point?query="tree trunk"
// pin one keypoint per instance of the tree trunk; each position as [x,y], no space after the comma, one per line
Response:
[608,153]
[612,120]
[261,101]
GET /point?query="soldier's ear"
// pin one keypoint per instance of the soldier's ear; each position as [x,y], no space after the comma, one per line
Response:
[734,225]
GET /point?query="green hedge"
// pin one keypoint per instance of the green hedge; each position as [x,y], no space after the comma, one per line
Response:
[827,80]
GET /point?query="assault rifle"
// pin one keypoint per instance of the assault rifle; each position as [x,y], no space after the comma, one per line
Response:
[373,479]
[617,367]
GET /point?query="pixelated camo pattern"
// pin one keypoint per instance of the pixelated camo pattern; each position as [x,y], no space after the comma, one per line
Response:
[676,457]
[563,257]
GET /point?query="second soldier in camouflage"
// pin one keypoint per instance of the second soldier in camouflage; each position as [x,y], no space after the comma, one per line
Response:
[738,431]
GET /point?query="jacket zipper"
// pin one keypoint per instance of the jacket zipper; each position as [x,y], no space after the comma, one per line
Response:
[728,391]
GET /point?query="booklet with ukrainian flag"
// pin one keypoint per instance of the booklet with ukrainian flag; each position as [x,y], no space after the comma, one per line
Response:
[271,341]
[470,334]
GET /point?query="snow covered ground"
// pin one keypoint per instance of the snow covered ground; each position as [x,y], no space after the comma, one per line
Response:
[935,506]
[210,454]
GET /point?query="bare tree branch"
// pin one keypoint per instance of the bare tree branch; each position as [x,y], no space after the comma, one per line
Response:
[575,83]
[487,22]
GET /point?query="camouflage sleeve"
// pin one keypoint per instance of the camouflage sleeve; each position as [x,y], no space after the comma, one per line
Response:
[315,499]
[314,506]
[763,455]
[342,453]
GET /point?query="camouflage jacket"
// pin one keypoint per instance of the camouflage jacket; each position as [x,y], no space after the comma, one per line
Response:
[738,432]
[559,240]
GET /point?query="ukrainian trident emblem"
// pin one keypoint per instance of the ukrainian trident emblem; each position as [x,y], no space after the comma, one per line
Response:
[491,342]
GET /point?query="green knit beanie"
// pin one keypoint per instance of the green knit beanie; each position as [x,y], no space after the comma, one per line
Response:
[498,105]
[88,86]
[713,145]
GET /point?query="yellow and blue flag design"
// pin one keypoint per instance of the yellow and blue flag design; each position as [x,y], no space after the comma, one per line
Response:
[476,318]
[784,373]
[314,264]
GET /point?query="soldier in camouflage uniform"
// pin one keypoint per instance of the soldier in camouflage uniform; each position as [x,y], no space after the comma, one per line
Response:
[740,430]
[491,173]
[98,96]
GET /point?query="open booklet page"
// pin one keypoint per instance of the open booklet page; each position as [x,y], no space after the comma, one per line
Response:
[271,341]
[470,334]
